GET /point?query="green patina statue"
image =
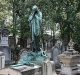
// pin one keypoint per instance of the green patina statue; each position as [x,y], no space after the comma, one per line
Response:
[37,56]
[35,21]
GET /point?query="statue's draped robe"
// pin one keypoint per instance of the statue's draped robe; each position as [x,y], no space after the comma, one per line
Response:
[35,25]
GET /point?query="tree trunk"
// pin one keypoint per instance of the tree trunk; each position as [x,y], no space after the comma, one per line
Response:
[14,24]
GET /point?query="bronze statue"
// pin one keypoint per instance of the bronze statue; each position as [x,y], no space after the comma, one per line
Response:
[35,20]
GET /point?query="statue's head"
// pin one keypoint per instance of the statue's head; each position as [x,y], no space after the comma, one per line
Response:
[58,44]
[35,8]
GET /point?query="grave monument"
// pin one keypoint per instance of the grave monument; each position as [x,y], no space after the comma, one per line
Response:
[36,55]
[2,60]
[69,60]
[48,68]
[4,46]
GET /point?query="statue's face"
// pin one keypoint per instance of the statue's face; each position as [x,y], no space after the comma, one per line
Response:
[35,8]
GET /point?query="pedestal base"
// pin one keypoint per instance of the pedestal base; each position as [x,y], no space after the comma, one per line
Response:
[66,70]
[7,52]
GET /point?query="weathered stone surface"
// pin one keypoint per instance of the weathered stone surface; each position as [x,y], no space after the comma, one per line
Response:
[2,60]
[7,53]
[4,45]
[48,68]
[22,70]
[70,59]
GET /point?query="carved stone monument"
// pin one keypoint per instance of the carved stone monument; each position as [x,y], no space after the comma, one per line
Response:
[21,70]
[56,50]
[36,56]
[48,68]
[70,59]
[57,31]
[2,60]
[4,46]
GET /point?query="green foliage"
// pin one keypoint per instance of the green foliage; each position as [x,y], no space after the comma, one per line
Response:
[21,18]
[5,11]
[66,15]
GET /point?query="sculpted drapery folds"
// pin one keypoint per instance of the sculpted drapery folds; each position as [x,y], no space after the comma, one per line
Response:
[35,20]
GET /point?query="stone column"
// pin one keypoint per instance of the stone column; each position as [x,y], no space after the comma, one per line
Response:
[48,68]
[2,60]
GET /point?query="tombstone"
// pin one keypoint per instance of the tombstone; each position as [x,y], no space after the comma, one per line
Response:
[48,68]
[11,42]
[56,50]
[70,59]
[4,37]
[4,46]
[2,60]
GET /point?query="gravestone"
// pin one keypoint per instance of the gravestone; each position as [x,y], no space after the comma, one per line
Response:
[11,42]
[56,50]
[48,68]
[2,60]
[4,46]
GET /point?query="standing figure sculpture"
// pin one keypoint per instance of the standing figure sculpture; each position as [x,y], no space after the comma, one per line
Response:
[35,20]
[57,31]
[37,56]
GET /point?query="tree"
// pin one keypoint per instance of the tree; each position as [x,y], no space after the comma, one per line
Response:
[66,12]
[5,12]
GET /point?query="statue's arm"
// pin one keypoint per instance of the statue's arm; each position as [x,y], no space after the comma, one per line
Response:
[39,17]
[30,18]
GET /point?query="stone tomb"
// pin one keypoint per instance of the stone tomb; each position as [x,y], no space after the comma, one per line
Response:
[70,59]
[21,70]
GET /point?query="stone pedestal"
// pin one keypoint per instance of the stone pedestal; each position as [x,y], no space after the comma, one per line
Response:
[7,53]
[66,70]
[2,60]
[48,68]
[69,60]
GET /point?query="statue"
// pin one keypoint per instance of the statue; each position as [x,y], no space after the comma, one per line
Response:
[71,44]
[57,31]
[37,56]
[35,21]
[55,52]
